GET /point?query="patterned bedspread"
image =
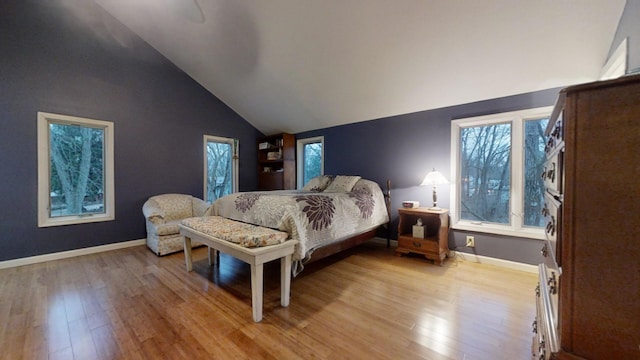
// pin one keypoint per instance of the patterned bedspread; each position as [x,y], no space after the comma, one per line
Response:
[313,218]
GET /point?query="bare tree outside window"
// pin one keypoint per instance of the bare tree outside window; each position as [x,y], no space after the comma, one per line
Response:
[485,173]
[534,157]
[309,159]
[76,170]
[219,170]
[497,160]
[312,161]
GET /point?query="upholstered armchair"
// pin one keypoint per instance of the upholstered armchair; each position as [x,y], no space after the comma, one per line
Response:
[163,214]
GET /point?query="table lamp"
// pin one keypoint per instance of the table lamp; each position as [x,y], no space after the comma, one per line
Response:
[434,178]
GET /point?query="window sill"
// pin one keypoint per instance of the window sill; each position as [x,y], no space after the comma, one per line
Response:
[72,220]
[530,233]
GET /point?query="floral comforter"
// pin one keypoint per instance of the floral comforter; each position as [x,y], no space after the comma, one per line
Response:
[313,218]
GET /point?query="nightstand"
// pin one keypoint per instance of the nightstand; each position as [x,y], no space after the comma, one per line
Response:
[435,244]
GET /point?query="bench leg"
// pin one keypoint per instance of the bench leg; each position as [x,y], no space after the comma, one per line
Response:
[187,253]
[256,291]
[214,256]
[285,280]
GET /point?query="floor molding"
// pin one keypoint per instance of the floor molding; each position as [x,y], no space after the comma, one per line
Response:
[121,245]
[71,253]
[514,265]
[494,261]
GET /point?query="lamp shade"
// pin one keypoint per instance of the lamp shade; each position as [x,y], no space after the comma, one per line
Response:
[434,178]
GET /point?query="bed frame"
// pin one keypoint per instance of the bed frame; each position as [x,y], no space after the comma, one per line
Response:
[256,257]
[336,247]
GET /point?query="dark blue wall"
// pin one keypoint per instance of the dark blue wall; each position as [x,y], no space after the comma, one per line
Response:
[79,61]
[405,148]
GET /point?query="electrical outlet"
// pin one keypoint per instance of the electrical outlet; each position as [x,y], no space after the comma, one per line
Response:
[470,241]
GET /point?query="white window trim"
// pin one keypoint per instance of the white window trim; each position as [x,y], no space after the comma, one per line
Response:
[234,164]
[44,194]
[300,157]
[517,119]
[616,65]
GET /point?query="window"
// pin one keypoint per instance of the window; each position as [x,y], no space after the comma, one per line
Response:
[75,170]
[310,159]
[497,161]
[220,167]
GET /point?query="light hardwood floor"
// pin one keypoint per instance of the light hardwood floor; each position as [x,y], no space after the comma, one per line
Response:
[363,304]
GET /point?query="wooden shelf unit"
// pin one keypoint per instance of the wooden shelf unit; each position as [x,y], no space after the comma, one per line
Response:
[277,173]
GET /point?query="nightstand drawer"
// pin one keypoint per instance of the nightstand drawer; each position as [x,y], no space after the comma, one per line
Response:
[418,245]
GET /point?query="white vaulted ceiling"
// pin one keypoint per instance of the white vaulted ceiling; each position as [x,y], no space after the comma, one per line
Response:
[298,65]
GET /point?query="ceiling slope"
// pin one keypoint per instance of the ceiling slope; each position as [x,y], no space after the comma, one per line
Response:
[293,66]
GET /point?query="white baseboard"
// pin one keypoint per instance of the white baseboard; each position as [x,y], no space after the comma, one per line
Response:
[494,261]
[126,244]
[71,253]
[514,265]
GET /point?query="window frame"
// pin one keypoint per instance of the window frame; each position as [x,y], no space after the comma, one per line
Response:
[300,143]
[617,64]
[44,170]
[235,146]
[516,119]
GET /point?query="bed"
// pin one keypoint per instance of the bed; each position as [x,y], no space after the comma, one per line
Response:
[331,214]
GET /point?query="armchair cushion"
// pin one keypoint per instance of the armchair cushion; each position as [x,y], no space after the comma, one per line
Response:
[156,220]
[168,228]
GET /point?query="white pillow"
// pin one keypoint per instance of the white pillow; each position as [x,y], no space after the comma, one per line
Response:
[342,183]
[367,185]
[318,183]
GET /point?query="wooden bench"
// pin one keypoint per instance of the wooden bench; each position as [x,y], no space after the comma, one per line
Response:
[255,257]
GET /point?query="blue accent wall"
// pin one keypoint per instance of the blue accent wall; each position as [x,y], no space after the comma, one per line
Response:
[78,60]
[405,148]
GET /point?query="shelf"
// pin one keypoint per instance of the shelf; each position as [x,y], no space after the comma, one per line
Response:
[282,174]
[271,149]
